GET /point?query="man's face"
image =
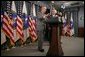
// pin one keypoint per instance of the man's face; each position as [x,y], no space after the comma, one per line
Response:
[43,9]
[54,11]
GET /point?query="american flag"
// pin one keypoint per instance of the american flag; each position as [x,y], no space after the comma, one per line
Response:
[64,29]
[7,25]
[25,18]
[14,13]
[70,28]
[32,29]
[19,21]
[32,24]
[14,17]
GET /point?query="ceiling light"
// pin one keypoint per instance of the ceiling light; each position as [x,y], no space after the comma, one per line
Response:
[52,1]
[83,2]
[67,4]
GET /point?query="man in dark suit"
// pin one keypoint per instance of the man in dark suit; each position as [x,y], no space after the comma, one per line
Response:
[40,27]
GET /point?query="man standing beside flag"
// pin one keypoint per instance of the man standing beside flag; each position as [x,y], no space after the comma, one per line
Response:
[40,27]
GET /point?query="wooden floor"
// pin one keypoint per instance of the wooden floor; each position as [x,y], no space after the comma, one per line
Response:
[72,46]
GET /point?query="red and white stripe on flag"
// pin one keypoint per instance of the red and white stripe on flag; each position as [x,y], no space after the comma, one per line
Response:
[19,28]
[7,27]
[32,29]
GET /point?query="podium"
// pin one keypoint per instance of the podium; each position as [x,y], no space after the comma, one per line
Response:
[55,48]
